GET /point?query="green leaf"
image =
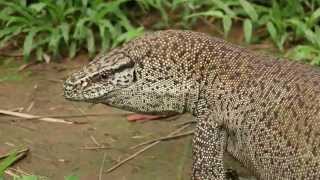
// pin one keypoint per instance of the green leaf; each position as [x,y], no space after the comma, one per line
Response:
[249,10]
[317,36]
[55,12]
[70,11]
[282,40]
[211,13]
[227,23]
[301,52]
[298,25]
[72,49]
[105,40]
[311,36]
[125,22]
[84,3]
[65,29]
[39,53]
[222,5]
[247,27]
[6,11]
[38,6]
[18,20]
[9,30]
[176,3]
[134,33]
[163,12]
[20,9]
[128,36]
[55,37]
[314,17]
[10,36]
[263,20]
[90,42]
[41,41]
[272,31]
[23,3]
[72,177]
[5,16]
[80,32]
[316,60]
[8,161]
[109,27]
[111,7]
[29,178]
[28,42]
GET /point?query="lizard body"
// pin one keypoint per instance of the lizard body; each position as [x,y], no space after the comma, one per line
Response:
[265,111]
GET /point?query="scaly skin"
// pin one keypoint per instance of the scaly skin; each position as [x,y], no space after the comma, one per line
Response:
[263,110]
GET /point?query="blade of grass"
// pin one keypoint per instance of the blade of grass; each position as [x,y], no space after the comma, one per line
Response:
[90,42]
[8,161]
[249,10]
[65,30]
[227,23]
[28,42]
[224,7]
[247,27]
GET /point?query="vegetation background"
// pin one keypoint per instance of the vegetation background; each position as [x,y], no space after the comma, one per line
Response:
[46,30]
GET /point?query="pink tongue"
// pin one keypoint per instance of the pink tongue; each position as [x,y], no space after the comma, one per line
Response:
[137,117]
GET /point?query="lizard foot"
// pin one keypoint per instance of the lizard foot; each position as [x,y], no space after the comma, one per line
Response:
[138,117]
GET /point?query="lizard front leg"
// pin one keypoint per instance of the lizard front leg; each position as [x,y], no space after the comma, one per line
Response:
[208,149]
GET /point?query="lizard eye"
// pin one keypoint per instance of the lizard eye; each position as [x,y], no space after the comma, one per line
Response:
[104,76]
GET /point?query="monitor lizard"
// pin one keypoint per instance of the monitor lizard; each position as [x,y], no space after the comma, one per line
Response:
[263,110]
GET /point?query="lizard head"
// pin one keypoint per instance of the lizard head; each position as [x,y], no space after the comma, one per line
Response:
[104,74]
[137,77]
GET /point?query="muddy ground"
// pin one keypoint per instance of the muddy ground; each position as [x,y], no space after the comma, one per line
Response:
[56,149]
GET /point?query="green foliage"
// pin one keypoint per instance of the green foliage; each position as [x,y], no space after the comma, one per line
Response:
[13,157]
[54,27]
[8,161]
[31,177]
[227,23]
[247,28]
[72,177]
[34,177]
[284,22]
[9,71]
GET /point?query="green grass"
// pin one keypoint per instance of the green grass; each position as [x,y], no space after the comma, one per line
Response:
[54,28]
[13,157]
[34,177]
[9,71]
[291,25]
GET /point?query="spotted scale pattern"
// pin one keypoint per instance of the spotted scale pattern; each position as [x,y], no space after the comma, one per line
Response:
[265,111]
